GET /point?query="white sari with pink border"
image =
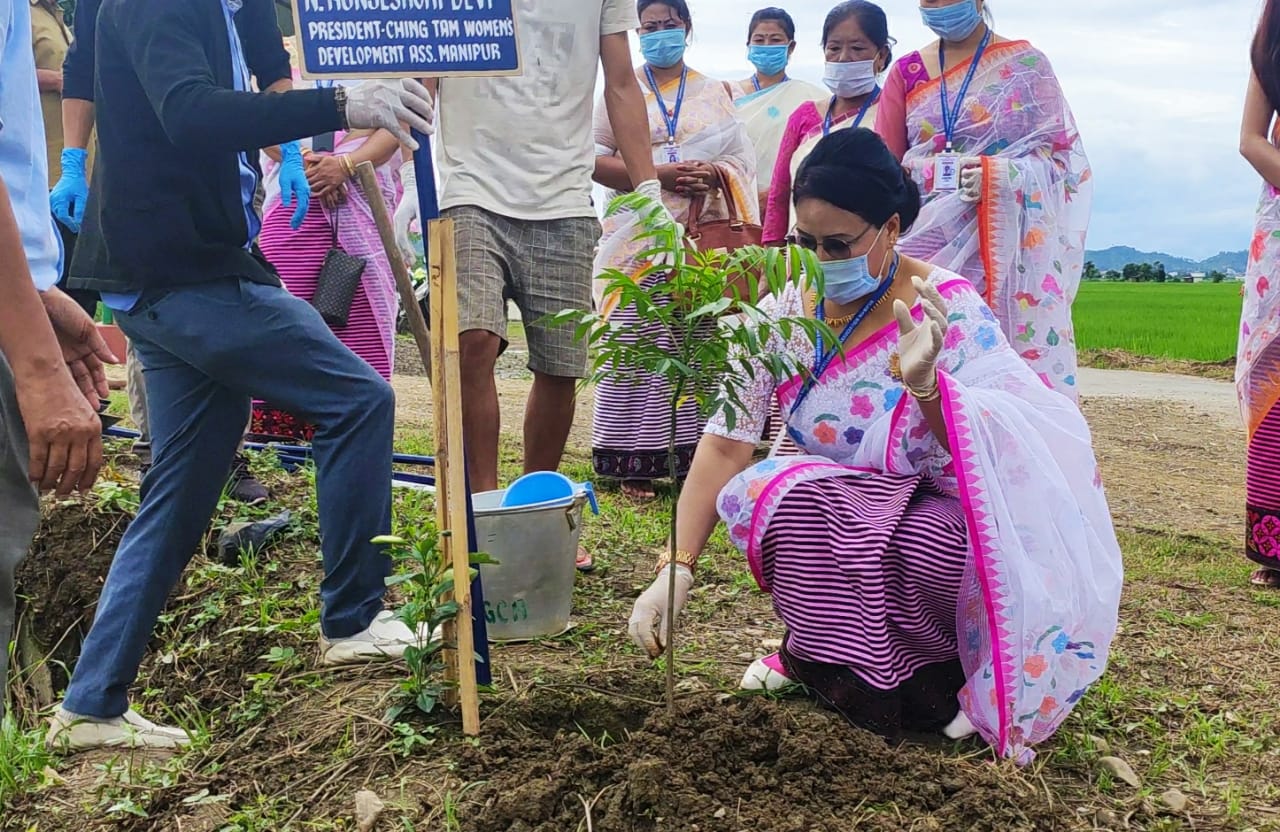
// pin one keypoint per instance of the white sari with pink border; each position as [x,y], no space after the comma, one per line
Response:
[1039,603]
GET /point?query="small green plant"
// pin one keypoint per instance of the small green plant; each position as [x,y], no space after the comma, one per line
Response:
[710,305]
[408,739]
[23,758]
[112,496]
[425,577]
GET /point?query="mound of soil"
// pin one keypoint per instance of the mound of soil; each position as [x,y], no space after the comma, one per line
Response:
[1121,360]
[60,580]
[725,766]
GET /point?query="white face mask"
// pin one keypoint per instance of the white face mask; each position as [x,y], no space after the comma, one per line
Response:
[851,78]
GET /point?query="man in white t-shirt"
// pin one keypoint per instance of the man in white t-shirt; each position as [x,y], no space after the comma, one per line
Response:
[516,158]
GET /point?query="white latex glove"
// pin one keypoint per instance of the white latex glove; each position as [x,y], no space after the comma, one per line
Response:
[384,104]
[971,180]
[919,344]
[407,213]
[652,188]
[648,625]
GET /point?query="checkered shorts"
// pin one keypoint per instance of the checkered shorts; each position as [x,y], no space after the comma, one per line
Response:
[544,266]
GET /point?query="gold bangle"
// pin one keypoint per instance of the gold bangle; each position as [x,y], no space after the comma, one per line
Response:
[926,396]
[681,557]
[349,166]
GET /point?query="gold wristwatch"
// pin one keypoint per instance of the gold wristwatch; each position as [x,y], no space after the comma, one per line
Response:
[681,557]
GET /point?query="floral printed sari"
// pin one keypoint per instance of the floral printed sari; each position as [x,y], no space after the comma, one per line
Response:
[1022,245]
[1039,600]
[708,131]
[1258,382]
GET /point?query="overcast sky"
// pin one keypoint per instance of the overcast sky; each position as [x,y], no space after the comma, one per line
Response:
[1156,85]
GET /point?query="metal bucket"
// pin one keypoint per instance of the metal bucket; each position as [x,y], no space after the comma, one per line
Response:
[528,594]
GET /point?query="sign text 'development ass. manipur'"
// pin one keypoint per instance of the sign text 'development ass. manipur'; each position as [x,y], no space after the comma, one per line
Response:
[418,38]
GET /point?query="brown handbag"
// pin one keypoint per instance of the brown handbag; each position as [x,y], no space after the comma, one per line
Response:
[727,235]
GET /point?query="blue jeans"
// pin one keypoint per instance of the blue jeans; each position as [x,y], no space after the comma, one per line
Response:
[207,350]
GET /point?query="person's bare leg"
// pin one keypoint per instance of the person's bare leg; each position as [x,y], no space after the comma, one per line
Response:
[548,418]
[481,419]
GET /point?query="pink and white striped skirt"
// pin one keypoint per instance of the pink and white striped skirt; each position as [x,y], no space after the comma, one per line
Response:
[864,569]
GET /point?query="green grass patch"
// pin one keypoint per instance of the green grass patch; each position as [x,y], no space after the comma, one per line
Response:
[1180,321]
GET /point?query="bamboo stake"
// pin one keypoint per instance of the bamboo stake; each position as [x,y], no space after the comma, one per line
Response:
[455,477]
[440,355]
[404,283]
[439,410]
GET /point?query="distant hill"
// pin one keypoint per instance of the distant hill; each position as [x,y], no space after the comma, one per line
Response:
[1117,257]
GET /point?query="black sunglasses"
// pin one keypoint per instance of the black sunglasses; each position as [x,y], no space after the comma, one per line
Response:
[834,247]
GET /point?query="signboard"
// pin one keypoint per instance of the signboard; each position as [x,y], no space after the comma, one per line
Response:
[406,38]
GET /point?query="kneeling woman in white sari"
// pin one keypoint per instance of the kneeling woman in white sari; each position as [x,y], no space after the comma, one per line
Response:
[943,557]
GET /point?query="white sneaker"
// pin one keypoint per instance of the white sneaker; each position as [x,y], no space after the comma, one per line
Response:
[766,674]
[384,640]
[73,732]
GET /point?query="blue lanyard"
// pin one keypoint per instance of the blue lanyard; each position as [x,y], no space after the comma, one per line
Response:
[951,117]
[821,358]
[866,105]
[672,118]
[755,81]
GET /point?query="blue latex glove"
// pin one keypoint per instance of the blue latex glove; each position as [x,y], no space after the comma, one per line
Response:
[69,195]
[293,182]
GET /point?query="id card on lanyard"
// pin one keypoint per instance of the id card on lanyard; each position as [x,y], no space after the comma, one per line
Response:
[829,120]
[822,357]
[946,170]
[671,118]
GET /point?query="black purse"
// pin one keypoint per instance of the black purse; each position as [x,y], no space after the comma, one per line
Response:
[339,278]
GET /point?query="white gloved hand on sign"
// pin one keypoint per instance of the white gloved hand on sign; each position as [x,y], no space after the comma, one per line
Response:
[406,213]
[385,104]
[648,625]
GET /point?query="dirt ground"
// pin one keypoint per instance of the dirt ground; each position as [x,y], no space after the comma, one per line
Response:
[575,738]
[1171,449]
[723,766]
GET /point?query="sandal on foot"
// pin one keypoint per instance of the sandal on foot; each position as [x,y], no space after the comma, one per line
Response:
[585,562]
[639,490]
[1266,578]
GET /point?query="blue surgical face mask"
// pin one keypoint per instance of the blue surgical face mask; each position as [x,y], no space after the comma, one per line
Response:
[845,281]
[769,59]
[663,49]
[955,22]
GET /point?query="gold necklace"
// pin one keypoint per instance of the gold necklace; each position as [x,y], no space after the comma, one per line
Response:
[838,322]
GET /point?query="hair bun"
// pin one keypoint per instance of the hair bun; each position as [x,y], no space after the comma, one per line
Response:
[855,171]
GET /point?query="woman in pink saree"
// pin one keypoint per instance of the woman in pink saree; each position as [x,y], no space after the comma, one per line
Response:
[340,216]
[982,124]
[922,582]
[1258,359]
